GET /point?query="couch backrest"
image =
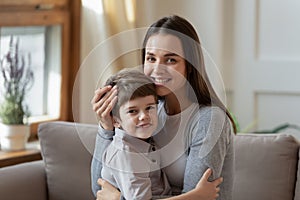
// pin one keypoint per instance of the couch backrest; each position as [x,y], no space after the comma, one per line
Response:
[266,167]
[67,150]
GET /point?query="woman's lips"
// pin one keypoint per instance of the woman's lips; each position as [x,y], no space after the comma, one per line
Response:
[161,81]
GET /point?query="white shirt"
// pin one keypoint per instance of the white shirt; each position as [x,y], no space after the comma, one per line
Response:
[133,166]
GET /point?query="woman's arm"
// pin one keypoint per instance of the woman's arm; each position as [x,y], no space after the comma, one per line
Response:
[204,190]
[102,103]
[108,191]
[210,147]
[103,139]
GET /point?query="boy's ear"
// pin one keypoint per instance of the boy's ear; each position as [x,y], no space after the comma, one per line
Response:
[116,122]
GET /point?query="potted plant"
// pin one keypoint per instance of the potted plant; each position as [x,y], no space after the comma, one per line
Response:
[17,80]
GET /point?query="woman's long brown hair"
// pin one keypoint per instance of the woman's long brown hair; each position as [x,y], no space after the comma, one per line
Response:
[196,72]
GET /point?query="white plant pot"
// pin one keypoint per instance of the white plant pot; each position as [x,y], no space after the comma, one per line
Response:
[13,137]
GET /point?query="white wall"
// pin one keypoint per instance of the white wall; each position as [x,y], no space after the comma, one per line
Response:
[265,63]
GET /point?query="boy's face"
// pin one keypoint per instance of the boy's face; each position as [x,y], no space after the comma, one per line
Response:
[138,117]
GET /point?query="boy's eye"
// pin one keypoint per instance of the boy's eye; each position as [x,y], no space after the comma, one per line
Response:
[131,111]
[150,59]
[151,107]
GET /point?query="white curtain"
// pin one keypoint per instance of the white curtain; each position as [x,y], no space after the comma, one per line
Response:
[102,20]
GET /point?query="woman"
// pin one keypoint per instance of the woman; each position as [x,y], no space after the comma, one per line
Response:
[195,131]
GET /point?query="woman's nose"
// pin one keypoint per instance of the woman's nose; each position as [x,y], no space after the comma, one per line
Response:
[158,67]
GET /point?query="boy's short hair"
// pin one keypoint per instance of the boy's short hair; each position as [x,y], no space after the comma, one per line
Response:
[131,84]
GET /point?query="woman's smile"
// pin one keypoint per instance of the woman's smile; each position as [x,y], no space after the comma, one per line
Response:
[161,81]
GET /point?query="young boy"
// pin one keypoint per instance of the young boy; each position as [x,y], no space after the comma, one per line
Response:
[130,162]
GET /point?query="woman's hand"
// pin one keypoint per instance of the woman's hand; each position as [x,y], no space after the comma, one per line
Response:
[108,192]
[207,190]
[103,102]
[204,190]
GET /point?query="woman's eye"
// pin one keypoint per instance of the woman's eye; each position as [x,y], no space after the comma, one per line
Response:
[171,60]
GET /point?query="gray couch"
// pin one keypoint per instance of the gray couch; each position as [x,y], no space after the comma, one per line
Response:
[267,167]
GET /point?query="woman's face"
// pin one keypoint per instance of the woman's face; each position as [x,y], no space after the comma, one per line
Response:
[164,63]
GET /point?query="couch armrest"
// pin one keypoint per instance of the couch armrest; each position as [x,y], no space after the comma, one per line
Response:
[297,189]
[67,149]
[25,181]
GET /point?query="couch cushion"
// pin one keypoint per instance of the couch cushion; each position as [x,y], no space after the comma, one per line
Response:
[297,190]
[266,166]
[67,152]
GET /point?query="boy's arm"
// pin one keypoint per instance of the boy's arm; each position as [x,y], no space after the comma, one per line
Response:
[130,173]
[134,186]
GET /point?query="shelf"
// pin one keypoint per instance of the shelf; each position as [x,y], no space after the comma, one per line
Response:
[31,153]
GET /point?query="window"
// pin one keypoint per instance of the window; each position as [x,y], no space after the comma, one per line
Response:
[44,29]
[43,44]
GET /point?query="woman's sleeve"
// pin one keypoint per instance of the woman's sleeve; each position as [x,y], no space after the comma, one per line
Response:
[103,139]
[208,145]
